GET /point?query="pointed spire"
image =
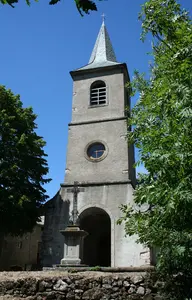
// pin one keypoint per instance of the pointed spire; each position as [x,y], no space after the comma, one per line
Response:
[103,49]
[103,53]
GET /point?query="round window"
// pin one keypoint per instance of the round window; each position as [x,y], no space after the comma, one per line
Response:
[96,151]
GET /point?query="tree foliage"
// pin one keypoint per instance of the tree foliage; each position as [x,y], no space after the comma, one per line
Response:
[23,166]
[162,131]
[83,6]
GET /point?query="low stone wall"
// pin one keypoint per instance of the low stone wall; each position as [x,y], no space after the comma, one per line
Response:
[60,285]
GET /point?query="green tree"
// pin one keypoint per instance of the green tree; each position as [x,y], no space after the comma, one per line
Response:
[162,131]
[83,6]
[23,166]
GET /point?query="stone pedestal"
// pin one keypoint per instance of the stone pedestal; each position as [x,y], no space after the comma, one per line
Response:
[73,245]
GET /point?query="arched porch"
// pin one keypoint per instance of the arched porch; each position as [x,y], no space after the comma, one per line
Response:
[97,245]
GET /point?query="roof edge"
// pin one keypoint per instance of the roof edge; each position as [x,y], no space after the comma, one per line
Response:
[94,70]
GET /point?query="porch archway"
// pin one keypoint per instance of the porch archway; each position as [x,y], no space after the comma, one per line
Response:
[97,245]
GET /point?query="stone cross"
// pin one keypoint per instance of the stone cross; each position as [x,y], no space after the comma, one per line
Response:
[75,190]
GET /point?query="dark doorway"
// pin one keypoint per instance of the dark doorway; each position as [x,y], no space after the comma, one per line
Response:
[97,245]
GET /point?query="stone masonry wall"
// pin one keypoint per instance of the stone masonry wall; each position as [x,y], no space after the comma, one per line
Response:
[88,285]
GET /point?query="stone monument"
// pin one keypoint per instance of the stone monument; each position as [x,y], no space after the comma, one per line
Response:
[73,235]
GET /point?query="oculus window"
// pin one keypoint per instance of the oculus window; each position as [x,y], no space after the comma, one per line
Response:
[98,93]
[96,151]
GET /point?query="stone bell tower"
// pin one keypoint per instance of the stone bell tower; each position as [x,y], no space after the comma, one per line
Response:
[101,161]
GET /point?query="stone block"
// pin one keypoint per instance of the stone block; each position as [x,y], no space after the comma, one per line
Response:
[107,286]
[137,279]
[94,294]
[126,283]
[44,285]
[78,291]
[140,290]
[50,296]
[120,283]
[60,285]
[70,296]
[148,291]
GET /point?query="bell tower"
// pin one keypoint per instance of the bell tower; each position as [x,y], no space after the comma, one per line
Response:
[97,148]
[101,161]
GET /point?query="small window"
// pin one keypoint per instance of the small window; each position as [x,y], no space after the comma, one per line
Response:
[96,151]
[98,93]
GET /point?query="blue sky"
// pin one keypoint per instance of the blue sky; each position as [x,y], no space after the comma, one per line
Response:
[41,44]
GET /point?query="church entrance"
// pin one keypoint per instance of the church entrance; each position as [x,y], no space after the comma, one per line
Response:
[97,245]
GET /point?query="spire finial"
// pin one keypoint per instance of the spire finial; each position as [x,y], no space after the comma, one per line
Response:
[103,17]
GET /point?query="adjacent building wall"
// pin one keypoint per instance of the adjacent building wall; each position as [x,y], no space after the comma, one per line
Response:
[21,253]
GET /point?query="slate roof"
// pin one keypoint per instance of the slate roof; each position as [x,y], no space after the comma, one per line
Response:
[103,54]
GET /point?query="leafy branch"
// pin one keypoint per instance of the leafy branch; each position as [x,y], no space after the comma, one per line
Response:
[83,6]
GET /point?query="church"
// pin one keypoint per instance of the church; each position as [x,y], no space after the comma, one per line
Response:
[100,160]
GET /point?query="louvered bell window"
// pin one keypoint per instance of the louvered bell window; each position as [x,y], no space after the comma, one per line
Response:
[98,93]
